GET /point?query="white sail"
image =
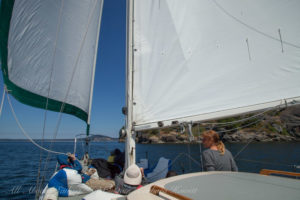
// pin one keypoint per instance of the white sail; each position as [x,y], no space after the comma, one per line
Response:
[51,50]
[200,59]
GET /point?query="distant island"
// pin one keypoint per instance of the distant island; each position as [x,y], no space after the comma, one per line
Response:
[93,138]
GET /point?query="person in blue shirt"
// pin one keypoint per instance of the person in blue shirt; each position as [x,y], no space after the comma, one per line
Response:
[60,179]
[69,161]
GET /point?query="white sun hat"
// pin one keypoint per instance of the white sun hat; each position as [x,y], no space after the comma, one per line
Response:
[133,175]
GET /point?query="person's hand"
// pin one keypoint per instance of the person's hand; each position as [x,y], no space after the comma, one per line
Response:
[142,171]
[91,171]
[72,156]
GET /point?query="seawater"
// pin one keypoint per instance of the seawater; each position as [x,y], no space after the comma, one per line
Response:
[20,160]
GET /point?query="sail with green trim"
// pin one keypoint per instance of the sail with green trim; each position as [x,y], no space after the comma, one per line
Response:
[48,52]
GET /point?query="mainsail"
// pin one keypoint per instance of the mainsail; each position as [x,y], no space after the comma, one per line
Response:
[197,59]
[48,52]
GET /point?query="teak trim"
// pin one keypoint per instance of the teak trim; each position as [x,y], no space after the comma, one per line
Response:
[269,172]
[156,189]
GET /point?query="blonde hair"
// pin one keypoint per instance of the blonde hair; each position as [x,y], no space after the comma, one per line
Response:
[214,136]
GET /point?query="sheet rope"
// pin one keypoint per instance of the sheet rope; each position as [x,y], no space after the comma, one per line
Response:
[25,133]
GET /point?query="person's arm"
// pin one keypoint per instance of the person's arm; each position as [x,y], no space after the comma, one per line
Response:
[119,182]
[62,159]
[234,168]
[144,179]
[76,164]
[208,162]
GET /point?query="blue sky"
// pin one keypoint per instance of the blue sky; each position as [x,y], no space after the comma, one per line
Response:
[109,88]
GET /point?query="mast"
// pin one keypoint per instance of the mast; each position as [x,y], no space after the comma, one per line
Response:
[130,134]
[92,82]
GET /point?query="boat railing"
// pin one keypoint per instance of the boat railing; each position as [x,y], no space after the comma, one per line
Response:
[280,173]
[156,191]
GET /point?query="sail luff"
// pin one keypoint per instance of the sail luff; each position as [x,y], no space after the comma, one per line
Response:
[94,70]
[5,16]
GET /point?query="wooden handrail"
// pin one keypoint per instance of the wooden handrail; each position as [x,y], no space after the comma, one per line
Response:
[156,189]
[269,172]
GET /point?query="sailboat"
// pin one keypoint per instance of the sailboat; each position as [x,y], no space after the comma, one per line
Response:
[187,62]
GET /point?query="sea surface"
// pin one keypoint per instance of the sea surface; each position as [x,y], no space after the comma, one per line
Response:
[20,160]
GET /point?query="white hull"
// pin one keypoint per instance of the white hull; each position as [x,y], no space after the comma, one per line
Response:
[225,185]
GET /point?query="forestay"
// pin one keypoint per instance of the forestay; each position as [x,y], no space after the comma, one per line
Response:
[48,50]
[200,59]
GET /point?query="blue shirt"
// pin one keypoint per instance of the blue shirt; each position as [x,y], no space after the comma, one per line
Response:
[63,160]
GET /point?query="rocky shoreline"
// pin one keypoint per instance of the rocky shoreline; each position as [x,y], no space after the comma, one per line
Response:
[237,137]
[244,137]
[283,126]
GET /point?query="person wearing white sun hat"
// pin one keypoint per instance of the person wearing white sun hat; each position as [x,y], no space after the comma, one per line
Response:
[133,175]
[133,179]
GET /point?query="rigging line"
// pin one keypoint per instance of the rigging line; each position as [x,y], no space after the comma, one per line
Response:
[191,138]
[72,76]
[82,145]
[172,162]
[79,140]
[251,27]
[89,147]
[49,88]
[24,132]
[75,141]
[292,151]
[291,103]
[56,166]
[179,155]
[189,152]
[244,119]
[191,158]
[263,162]
[2,101]
[241,126]
[236,155]
[200,147]
[246,144]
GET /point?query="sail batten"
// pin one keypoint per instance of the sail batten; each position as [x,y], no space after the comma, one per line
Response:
[202,58]
[49,52]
